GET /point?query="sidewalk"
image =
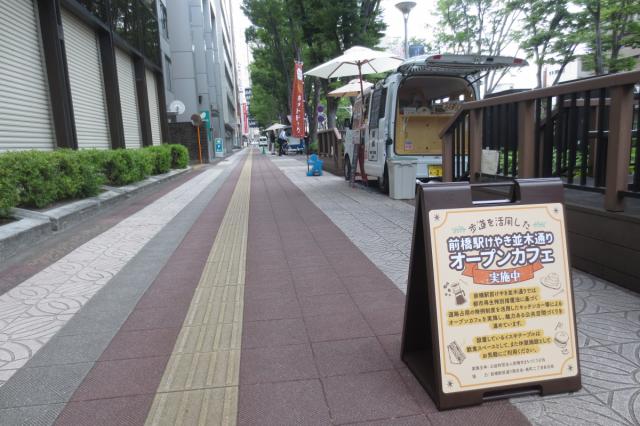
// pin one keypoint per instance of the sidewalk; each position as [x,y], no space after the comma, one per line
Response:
[327,322]
[241,295]
[608,316]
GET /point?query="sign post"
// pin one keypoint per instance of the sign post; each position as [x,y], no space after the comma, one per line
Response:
[205,115]
[490,311]
[219,147]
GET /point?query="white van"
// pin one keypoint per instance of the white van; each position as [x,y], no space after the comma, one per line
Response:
[405,112]
[263,141]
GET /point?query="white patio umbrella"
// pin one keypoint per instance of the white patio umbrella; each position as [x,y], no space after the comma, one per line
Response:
[356,61]
[276,126]
[350,89]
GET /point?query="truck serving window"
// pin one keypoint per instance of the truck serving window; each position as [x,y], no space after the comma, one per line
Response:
[425,104]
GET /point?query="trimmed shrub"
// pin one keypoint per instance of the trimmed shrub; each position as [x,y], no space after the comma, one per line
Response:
[78,176]
[9,194]
[38,179]
[41,178]
[35,177]
[179,156]
[125,166]
[160,158]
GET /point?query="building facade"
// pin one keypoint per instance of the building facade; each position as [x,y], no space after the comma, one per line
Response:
[201,67]
[80,74]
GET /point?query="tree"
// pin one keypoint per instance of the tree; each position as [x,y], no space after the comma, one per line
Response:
[611,25]
[550,34]
[313,31]
[273,54]
[476,27]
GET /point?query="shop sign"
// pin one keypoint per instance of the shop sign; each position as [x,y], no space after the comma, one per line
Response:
[499,294]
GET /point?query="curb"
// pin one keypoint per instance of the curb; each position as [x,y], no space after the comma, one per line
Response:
[31,225]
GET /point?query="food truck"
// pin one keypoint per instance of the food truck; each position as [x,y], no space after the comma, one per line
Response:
[398,121]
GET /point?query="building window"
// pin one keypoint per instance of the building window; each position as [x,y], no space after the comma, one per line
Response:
[163,21]
[167,73]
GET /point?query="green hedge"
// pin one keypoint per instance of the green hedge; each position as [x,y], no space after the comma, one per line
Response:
[38,179]
[179,156]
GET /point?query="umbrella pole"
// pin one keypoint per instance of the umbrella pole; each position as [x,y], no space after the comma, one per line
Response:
[359,160]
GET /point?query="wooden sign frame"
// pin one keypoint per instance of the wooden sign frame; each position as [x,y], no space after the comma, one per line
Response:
[420,348]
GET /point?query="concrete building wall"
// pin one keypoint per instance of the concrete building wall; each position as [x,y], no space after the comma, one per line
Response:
[202,55]
[165,48]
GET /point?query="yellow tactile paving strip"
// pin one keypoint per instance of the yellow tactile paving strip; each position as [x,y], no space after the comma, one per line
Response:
[200,383]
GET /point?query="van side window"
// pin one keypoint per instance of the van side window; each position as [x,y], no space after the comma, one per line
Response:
[377,107]
[383,103]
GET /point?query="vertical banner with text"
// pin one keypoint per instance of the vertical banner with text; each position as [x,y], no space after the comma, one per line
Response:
[245,119]
[297,103]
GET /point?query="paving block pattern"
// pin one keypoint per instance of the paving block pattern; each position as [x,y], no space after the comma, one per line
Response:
[608,316]
[35,310]
[200,382]
[122,383]
[320,339]
[379,226]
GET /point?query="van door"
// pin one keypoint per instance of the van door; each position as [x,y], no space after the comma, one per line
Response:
[462,65]
[374,143]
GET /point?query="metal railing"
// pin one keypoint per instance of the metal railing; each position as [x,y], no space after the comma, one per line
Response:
[585,132]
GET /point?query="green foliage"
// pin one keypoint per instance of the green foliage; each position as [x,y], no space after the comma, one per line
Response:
[125,166]
[610,25]
[476,27]
[160,158]
[9,194]
[38,179]
[550,33]
[34,175]
[307,30]
[78,178]
[41,178]
[179,156]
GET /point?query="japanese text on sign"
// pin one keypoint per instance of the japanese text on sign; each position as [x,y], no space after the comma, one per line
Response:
[502,293]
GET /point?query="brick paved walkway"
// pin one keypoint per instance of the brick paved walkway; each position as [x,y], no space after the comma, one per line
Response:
[608,316]
[241,295]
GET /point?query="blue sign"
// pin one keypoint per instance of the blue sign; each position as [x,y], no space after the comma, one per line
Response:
[218,143]
[415,50]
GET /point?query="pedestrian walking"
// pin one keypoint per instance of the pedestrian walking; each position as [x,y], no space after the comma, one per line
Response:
[282,142]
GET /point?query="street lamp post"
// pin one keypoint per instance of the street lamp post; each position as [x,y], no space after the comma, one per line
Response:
[405,7]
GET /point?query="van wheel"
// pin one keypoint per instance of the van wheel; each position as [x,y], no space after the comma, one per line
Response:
[384,184]
[347,168]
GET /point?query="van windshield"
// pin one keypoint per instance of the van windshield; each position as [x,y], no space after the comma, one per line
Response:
[425,105]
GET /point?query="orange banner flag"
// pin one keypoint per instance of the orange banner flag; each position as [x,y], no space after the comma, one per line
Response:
[297,102]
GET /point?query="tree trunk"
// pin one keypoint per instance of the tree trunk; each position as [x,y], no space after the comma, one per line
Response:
[313,114]
[598,40]
[283,62]
[332,106]
[565,62]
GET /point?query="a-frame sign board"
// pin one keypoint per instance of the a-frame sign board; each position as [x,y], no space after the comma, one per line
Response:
[489,311]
